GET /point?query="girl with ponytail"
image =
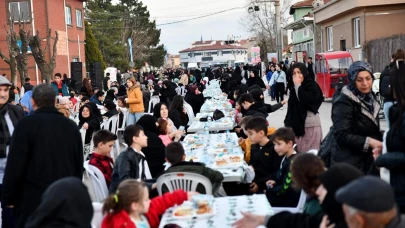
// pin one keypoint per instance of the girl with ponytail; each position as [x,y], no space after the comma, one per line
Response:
[131,207]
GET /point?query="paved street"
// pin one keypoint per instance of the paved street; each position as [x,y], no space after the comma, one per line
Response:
[277,118]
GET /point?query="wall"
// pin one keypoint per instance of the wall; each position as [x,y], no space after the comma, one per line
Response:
[301,12]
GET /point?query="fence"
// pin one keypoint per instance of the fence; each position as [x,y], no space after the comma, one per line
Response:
[379,51]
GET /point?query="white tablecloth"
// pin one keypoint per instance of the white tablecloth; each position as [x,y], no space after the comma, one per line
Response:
[199,149]
[213,104]
[227,212]
[223,124]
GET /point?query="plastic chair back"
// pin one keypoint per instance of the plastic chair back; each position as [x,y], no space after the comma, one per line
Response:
[183,180]
[153,101]
[190,113]
[298,209]
[97,215]
[97,180]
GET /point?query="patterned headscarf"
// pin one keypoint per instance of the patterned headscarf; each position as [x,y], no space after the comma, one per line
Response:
[354,69]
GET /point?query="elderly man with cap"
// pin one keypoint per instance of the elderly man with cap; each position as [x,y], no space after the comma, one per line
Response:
[9,116]
[374,207]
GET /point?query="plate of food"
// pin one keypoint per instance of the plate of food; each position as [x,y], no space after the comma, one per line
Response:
[226,161]
[200,208]
[218,151]
[219,145]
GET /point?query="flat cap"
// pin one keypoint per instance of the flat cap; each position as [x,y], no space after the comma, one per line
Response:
[368,194]
[4,81]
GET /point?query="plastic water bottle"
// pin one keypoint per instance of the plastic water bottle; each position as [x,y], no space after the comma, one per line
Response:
[207,132]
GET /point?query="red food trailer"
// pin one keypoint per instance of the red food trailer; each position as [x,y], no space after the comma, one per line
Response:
[331,68]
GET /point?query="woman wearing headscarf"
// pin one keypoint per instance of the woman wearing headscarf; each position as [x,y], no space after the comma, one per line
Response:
[89,122]
[355,120]
[255,79]
[302,113]
[122,91]
[110,95]
[178,113]
[155,151]
[66,204]
[167,92]
[194,98]
[26,103]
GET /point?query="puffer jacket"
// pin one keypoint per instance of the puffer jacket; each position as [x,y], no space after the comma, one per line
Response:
[353,126]
[135,100]
[257,109]
[394,159]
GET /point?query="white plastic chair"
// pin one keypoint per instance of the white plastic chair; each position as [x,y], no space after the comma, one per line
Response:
[190,113]
[97,180]
[298,209]
[183,180]
[97,215]
[83,134]
[153,101]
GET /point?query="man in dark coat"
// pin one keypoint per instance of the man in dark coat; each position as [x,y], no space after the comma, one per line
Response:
[9,117]
[45,146]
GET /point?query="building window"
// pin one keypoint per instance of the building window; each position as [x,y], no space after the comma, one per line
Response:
[79,20]
[19,11]
[356,32]
[329,36]
[75,59]
[68,12]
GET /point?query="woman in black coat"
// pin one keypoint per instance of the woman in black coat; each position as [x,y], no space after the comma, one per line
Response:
[155,151]
[255,79]
[177,113]
[194,98]
[167,92]
[355,121]
[89,122]
[394,159]
[302,114]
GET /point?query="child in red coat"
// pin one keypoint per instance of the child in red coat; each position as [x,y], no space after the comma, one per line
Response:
[131,207]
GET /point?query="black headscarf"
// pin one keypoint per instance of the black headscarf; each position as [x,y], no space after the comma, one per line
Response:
[110,95]
[148,123]
[122,91]
[96,111]
[309,98]
[333,179]
[156,110]
[66,204]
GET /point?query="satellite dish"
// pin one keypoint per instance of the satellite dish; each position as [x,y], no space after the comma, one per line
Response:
[317,3]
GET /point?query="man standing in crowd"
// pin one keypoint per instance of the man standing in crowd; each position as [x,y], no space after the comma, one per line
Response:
[310,67]
[46,146]
[9,116]
[119,77]
[59,88]
[27,86]
[106,82]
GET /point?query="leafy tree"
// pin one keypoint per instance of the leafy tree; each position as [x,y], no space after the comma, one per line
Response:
[93,53]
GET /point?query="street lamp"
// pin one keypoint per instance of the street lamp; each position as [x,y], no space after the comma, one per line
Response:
[279,38]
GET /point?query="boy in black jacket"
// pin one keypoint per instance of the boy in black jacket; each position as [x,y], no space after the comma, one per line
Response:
[279,190]
[252,108]
[264,159]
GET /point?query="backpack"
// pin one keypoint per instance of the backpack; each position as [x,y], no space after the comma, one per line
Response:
[385,89]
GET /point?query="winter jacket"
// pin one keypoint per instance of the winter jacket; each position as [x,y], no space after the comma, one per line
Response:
[353,126]
[268,76]
[257,109]
[195,101]
[386,73]
[246,144]
[129,164]
[256,81]
[265,162]
[157,208]
[65,90]
[394,159]
[282,193]
[95,100]
[214,176]
[135,100]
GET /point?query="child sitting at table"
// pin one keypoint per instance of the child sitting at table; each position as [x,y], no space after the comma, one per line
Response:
[264,159]
[131,207]
[165,128]
[176,157]
[251,107]
[131,163]
[279,190]
[103,142]
[246,144]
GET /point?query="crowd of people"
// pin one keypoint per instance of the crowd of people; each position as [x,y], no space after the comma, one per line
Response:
[42,152]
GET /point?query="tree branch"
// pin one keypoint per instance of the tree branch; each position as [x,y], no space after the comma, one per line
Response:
[3,57]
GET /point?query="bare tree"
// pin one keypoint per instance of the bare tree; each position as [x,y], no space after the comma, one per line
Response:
[46,66]
[262,24]
[13,50]
[22,60]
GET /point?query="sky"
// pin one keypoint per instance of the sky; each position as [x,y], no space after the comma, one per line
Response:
[179,36]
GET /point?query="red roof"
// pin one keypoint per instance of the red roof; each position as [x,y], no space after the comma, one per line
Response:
[200,43]
[216,46]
